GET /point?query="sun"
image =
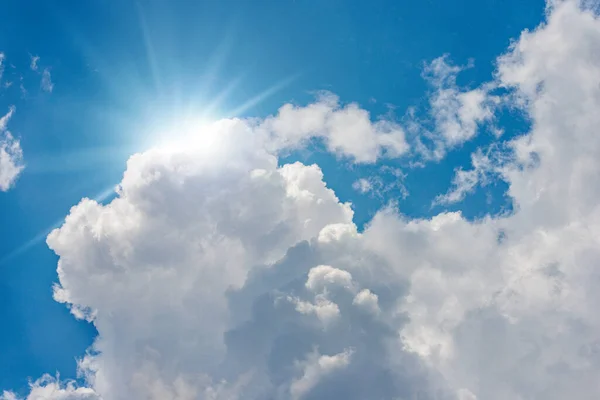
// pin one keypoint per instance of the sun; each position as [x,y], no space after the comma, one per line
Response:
[198,135]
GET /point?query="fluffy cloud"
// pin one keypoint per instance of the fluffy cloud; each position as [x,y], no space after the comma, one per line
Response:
[213,277]
[520,304]
[367,300]
[48,387]
[346,130]
[11,155]
[322,276]
[218,277]
[206,221]
[457,114]
[315,368]
[362,185]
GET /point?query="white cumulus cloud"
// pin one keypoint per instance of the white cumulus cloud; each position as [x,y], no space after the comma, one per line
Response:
[347,130]
[48,387]
[315,368]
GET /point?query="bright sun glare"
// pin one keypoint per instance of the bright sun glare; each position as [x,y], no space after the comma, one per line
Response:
[198,135]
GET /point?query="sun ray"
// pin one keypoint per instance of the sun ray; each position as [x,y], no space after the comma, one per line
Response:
[254,101]
[149,47]
[79,159]
[217,101]
[41,236]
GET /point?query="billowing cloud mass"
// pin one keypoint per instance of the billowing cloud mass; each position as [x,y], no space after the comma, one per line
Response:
[221,275]
[11,155]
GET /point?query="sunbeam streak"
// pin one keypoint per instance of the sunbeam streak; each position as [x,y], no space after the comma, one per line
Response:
[221,97]
[264,95]
[103,195]
[79,159]
[149,47]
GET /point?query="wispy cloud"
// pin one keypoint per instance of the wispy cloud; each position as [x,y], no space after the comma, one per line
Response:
[2,59]
[34,62]
[46,83]
[11,155]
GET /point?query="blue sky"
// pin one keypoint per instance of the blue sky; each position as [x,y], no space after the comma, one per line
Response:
[124,73]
